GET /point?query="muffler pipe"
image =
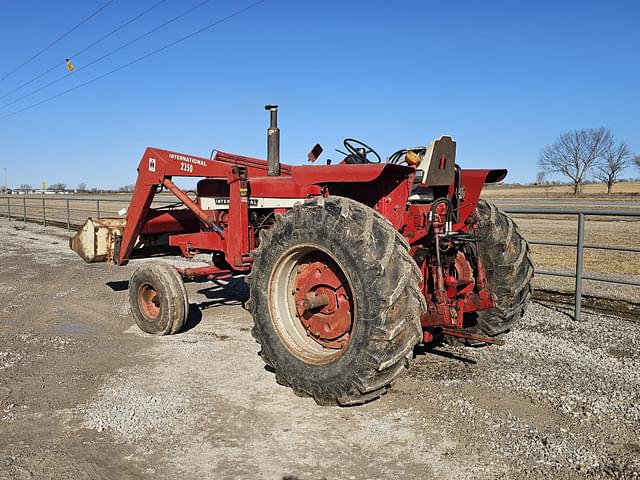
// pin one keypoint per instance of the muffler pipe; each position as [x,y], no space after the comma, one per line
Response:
[273,143]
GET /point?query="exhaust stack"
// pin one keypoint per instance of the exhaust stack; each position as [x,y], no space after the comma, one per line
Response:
[273,143]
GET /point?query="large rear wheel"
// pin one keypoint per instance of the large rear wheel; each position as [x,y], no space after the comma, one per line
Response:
[508,266]
[335,301]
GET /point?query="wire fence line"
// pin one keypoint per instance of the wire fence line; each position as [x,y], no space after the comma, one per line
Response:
[72,213]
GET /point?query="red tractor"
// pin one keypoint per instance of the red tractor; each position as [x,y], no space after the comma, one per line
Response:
[349,265]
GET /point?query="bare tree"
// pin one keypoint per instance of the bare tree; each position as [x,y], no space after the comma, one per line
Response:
[58,187]
[26,186]
[82,187]
[574,154]
[541,177]
[613,161]
[636,160]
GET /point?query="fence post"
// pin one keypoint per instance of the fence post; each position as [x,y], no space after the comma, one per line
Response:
[579,266]
[9,207]
[68,218]
[24,208]
[98,207]
[44,212]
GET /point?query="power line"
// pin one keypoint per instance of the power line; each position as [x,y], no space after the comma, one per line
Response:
[80,52]
[108,54]
[57,40]
[143,57]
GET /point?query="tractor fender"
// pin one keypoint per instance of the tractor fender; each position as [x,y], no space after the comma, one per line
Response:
[472,180]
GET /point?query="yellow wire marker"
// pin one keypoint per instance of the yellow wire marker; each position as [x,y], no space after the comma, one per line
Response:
[70,66]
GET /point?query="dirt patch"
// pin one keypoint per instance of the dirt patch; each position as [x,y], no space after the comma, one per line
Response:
[624,307]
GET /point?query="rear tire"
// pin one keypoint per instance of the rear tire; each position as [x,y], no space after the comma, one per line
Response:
[508,267]
[381,285]
[158,298]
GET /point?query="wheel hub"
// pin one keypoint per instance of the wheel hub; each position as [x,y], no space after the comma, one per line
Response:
[149,302]
[323,302]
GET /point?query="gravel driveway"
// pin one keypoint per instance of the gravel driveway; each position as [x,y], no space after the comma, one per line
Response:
[84,394]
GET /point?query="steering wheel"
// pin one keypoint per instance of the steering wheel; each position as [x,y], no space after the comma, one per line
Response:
[359,151]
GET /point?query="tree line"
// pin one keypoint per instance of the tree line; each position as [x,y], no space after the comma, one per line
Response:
[81,188]
[588,153]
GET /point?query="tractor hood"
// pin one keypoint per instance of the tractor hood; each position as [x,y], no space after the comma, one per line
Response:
[346,173]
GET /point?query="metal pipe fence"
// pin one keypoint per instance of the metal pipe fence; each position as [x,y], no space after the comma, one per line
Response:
[578,274]
[43,210]
[62,211]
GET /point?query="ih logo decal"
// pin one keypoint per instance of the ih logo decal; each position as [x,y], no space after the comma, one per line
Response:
[152,164]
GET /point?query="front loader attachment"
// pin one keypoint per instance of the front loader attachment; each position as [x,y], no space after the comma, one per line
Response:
[96,240]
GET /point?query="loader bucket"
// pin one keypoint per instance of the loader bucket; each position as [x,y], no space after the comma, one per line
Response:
[95,240]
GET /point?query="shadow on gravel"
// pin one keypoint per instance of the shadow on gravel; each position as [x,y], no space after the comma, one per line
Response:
[119,286]
[194,317]
[234,293]
[430,350]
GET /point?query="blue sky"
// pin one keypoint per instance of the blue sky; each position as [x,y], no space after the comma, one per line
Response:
[504,78]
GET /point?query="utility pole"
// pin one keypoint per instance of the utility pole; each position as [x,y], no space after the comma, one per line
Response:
[5,180]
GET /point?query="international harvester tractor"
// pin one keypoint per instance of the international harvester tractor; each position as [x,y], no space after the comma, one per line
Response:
[349,265]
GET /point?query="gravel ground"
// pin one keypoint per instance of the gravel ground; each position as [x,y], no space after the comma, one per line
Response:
[85,394]
[574,391]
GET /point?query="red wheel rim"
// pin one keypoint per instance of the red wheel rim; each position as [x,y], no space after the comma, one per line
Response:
[149,302]
[323,301]
[311,305]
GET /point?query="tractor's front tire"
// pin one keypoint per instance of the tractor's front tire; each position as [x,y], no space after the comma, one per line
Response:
[508,267]
[158,298]
[346,351]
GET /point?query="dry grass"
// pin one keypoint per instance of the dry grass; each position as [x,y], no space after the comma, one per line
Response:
[601,231]
[621,191]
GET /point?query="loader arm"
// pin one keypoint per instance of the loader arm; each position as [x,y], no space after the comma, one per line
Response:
[156,169]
